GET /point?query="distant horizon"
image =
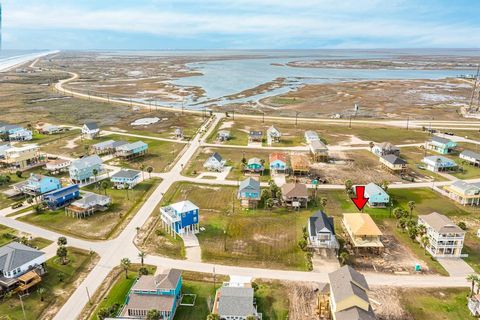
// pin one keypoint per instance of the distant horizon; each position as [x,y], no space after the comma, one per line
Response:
[239,24]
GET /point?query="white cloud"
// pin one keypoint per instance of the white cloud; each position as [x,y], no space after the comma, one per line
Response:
[283,20]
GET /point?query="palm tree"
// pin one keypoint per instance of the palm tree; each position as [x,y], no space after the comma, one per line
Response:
[149,170]
[411,206]
[424,242]
[62,241]
[385,184]
[348,186]
[142,256]
[473,278]
[371,145]
[41,293]
[95,172]
[125,264]
[213,316]
[398,213]
[62,253]
[421,229]
[142,168]
[105,184]
[323,202]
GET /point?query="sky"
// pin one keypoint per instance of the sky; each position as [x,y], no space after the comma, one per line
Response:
[240,24]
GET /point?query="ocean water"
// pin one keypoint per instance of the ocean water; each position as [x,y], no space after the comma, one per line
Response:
[5,54]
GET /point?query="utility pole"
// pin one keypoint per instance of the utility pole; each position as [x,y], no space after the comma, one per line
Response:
[233,114]
[296,117]
[88,295]
[263,117]
[350,123]
[408,118]
[23,308]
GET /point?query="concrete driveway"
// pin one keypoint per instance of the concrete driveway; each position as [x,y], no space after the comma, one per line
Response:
[456,267]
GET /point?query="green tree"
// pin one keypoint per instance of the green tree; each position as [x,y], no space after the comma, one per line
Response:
[385,184]
[18,173]
[473,278]
[61,276]
[149,170]
[105,184]
[62,253]
[125,264]
[323,202]
[142,256]
[348,186]
[462,225]
[424,242]
[213,316]
[143,271]
[398,213]
[402,222]
[411,206]
[62,241]
[412,232]
[142,168]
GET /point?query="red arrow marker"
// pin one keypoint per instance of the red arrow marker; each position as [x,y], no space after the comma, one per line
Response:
[360,199]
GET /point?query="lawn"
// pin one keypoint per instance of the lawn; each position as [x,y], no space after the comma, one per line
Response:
[233,156]
[80,263]
[332,133]
[204,292]
[272,300]
[4,201]
[101,225]
[437,304]
[260,238]
[8,235]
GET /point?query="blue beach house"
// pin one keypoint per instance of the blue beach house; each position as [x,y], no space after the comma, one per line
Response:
[161,292]
[82,170]
[61,197]
[254,165]
[249,193]
[377,197]
[441,145]
[180,218]
[38,184]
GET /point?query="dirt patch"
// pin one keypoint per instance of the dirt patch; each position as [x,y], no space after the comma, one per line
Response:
[360,166]
[386,304]
[303,300]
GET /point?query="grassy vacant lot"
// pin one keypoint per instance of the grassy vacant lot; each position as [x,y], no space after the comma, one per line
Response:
[437,304]
[160,242]
[204,292]
[165,128]
[101,225]
[272,300]
[260,238]
[80,263]
[332,133]
[234,159]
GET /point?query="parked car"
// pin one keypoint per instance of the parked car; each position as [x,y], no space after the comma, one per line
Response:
[17,205]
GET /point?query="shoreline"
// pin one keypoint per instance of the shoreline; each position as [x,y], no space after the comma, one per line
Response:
[12,62]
